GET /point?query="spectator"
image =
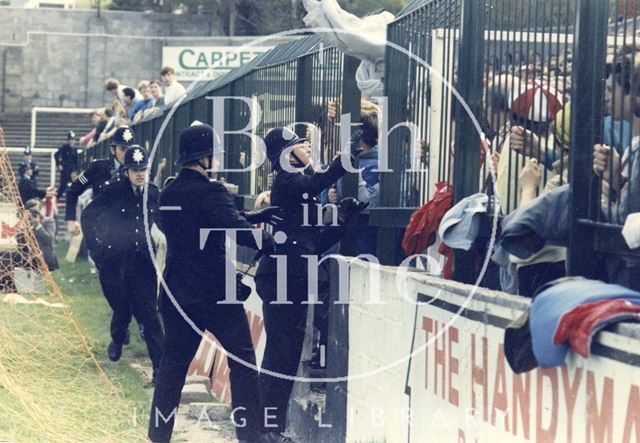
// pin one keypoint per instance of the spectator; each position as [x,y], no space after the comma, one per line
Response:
[44,239]
[66,159]
[533,109]
[130,102]
[368,178]
[156,94]
[622,173]
[173,90]
[157,99]
[103,116]
[26,186]
[113,86]
[49,223]
[117,120]
[137,111]
[161,174]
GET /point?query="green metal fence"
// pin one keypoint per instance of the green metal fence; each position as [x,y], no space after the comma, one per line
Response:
[480,48]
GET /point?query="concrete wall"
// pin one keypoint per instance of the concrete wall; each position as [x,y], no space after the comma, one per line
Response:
[39,66]
[428,374]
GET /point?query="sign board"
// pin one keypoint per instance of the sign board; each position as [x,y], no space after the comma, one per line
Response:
[437,371]
[9,224]
[191,62]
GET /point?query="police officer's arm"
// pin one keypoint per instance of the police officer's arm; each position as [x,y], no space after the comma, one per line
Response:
[221,211]
[85,179]
[30,188]
[298,184]
[93,223]
[58,157]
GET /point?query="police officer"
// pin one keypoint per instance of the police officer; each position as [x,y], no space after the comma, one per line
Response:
[116,237]
[285,323]
[195,276]
[96,174]
[28,161]
[27,186]
[66,159]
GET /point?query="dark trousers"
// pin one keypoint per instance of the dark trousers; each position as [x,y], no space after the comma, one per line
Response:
[230,326]
[65,178]
[129,284]
[285,326]
[532,277]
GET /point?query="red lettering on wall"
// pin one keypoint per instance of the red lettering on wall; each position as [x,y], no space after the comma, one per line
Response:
[439,360]
[632,422]
[546,434]
[453,366]
[479,376]
[570,389]
[599,420]
[521,402]
[427,325]
[500,401]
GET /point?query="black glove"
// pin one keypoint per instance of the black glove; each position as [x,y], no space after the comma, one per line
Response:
[271,215]
[242,291]
[349,207]
[268,244]
[356,149]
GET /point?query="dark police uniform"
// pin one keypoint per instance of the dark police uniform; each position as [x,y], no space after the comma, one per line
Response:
[97,173]
[28,188]
[195,276]
[67,157]
[31,164]
[285,323]
[115,233]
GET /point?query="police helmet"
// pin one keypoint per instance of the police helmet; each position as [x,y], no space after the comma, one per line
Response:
[123,136]
[197,141]
[277,140]
[71,135]
[136,158]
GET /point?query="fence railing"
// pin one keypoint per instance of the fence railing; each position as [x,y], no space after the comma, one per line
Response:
[531,73]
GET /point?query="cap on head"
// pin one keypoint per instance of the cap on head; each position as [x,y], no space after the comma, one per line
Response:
[536,102]
[123,136]
[277,140]
[197,141]
[136,157]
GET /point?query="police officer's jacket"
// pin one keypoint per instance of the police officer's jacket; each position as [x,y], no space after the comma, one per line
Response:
[34,168]
[28,189]
[196,258]
[96,175]
[295,193]
[67,156]
[113,223]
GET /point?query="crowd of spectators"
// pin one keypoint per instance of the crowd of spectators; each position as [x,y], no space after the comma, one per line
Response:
[131,105]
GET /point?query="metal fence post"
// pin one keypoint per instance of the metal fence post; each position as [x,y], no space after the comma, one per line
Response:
[466,164]
[396,64]
[586,115]
[304,99]
[350,104]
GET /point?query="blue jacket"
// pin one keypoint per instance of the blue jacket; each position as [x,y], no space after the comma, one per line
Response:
[548,307]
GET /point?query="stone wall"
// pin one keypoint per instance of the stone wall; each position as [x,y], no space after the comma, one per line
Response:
[53,57]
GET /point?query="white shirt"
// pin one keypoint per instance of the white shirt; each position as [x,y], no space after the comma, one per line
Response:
[173,92]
